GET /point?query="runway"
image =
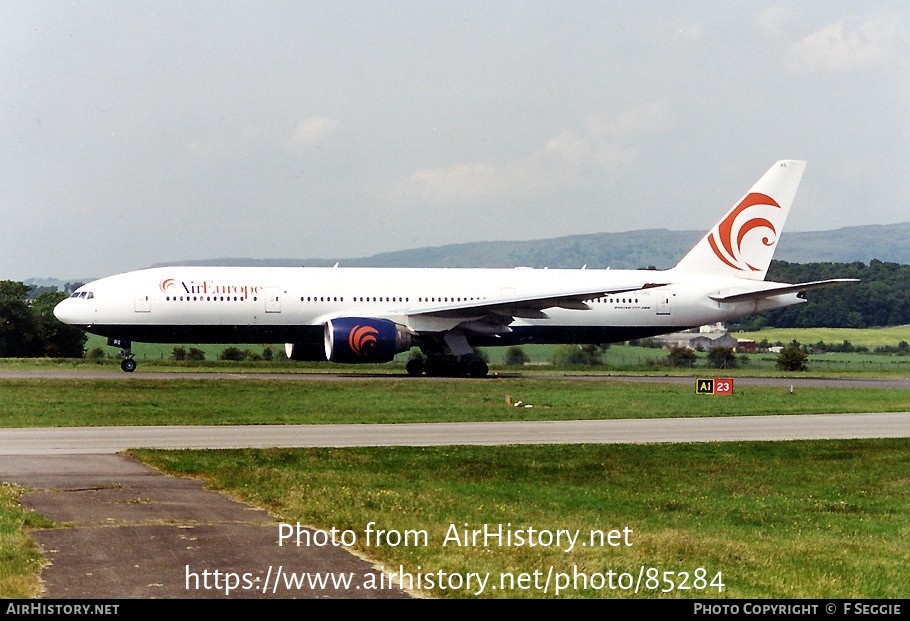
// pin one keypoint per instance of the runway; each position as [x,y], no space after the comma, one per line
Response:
[109,440]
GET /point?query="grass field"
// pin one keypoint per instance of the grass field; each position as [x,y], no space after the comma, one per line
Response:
[819,519]
[866,337]
[136,401]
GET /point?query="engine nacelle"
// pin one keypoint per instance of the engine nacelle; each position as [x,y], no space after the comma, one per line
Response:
[305,352]
[362,339]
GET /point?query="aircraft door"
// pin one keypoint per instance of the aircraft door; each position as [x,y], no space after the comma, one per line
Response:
[663,302]
[273,299]
[143,303]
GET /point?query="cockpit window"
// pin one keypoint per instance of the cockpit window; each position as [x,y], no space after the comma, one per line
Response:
[87,295]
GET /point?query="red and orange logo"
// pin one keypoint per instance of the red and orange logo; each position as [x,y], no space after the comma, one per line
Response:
[726,241]
[167,284]
[362,337]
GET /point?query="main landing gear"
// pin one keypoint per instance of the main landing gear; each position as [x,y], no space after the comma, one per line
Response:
[446,365]
[128,364]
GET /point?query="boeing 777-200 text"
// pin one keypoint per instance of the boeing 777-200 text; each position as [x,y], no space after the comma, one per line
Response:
[367,315]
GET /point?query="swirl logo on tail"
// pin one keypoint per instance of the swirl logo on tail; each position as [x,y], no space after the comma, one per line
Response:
[726,241]
[362,337]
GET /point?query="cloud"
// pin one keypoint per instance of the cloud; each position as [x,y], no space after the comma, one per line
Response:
[557,162]
[311,132]
[845,46]
[560,162]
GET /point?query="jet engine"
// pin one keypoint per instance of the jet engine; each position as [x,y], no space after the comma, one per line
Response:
[305,352]
[362,339]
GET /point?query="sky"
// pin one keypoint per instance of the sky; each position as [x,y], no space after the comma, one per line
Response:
[135,133]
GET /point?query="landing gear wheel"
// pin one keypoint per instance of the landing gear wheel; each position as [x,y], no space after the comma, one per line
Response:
[414,367]
[478,368]
[128,365]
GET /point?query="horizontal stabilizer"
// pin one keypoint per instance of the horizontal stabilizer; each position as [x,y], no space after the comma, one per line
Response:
[780,289]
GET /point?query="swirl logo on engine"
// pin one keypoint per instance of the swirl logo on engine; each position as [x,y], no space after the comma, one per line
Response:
[726,241]
[362,337]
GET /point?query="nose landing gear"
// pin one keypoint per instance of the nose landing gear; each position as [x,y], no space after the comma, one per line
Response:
[128,364]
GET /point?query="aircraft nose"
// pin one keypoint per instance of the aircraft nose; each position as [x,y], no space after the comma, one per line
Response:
[70,312]
[60,311]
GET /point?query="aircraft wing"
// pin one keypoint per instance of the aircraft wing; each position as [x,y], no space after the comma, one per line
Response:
[529,304]
[780,289]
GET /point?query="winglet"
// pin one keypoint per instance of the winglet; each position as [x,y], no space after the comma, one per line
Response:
[743,242]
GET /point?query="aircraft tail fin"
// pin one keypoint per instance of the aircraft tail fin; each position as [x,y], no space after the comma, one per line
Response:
[743,242]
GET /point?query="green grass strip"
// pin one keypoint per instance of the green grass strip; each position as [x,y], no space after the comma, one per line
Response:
[20,557]
[134,401]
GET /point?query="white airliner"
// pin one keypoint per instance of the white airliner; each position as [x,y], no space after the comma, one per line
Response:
[360,315]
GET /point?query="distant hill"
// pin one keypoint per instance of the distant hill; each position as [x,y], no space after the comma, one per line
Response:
[889,243]
[659,248]
[53,283]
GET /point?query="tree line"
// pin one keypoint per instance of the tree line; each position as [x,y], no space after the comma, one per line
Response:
[881,298]
[28,328]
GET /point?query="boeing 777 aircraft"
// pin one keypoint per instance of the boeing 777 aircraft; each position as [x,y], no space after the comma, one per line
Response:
[359,315]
